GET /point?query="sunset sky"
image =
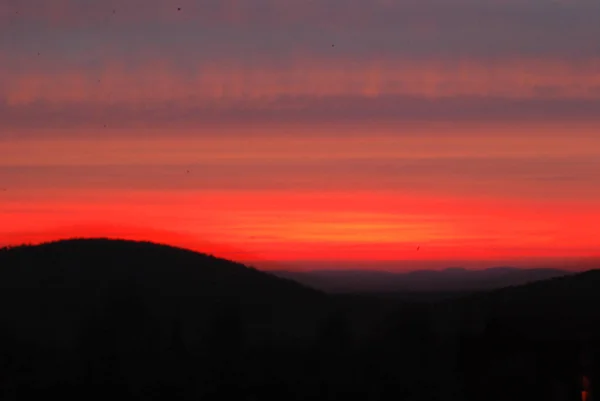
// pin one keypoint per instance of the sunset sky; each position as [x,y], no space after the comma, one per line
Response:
[306,133]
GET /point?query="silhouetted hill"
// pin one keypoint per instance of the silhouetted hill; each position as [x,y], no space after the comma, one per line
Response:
[52,284]
[100,317]
[533,341]
[94,318]
[452,279]
[560,307]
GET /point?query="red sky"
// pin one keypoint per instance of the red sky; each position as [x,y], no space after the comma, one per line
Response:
[339,133]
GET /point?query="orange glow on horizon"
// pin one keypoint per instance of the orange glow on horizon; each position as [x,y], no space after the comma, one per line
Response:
[275,226]
[295,131]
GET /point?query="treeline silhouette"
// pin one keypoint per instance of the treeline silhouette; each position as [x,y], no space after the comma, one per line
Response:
[98,319]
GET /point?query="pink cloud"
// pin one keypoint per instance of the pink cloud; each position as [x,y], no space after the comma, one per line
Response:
[227,82]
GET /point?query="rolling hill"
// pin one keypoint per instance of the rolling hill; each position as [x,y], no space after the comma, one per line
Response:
[47,290]
[100,317]
[563,307]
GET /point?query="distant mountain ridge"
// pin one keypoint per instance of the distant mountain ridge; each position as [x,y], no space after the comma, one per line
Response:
[450,279]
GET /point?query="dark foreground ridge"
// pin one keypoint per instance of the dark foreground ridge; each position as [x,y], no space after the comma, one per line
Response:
[99,319]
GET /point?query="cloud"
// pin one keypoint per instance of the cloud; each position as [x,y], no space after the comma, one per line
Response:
[538,177]
[339,114]
[71,63]
[447,143]
[485,28]
[310,90]
[266,101]
[161,81]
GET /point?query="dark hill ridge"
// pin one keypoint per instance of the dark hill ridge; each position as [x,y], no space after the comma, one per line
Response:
[109,258]
[559,307]
[562,308]
[543,336]
[102,317]
[52,286]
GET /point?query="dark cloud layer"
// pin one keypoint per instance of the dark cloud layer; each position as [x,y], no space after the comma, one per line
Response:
[484,28]
[271,61]
[347,110]
[536,177]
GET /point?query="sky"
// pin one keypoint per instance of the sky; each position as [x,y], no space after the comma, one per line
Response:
[302,133]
